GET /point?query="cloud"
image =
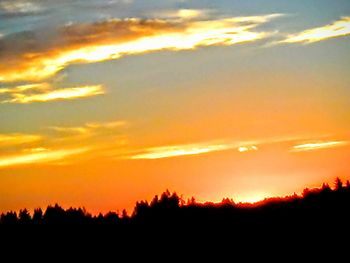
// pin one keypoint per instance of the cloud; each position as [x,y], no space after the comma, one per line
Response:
[180,150]
[247,148]
[35,56]
[56,144]
[182,14]
[44,92]
[100,134]
[40,157]
[19,7]
[88,128]
[338,28]
[318,145]
[18,139]
[191,149]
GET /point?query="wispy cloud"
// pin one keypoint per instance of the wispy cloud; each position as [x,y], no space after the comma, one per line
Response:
[338,28]
[192,149]
[301,143]
[18,139]
[180,150]
[19,7]
[43,92]
[57,144]
[34,56]
[88,128]
[311,146]
[182,14]
[40,157]
[248,148]
[103,135]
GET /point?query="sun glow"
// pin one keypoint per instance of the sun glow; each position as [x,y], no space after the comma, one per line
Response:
[253,197]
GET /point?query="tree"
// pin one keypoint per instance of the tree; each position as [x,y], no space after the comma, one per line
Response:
[24,216]
[37,216]
[124,214]
[338,184]
[9,218]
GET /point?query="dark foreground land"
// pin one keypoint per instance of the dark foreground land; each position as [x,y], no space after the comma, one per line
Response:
[320,214]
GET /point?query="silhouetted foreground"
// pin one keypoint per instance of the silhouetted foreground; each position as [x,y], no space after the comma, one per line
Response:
[317,212]
[314,207]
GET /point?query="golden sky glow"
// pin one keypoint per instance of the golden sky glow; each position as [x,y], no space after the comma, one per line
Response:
[338,28]
[318,145]
[44,92]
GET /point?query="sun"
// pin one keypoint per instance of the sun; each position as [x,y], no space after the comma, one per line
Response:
[253,197]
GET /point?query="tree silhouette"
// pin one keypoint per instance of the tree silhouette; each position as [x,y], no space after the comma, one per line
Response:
[338,184]
[315,207]
[24,216]
[38,216]
[9,218]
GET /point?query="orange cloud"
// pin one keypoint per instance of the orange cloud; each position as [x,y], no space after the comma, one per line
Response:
[338,28]
[192,149]
[318,145]
[43,92]
[18,139]
[181,150]
[247,148]
[34,56]
[43,156]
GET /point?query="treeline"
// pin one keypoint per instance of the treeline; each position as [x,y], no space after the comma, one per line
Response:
[324,205]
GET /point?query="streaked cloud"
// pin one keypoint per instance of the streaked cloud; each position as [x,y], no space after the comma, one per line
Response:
[338,28]
[106,125]
[40,157]
[34,56]
[180,150]
[247,148]
[43,92]
[88,128]
[318,145]
[102,135]
[59,144]
[192,149]
[18,139]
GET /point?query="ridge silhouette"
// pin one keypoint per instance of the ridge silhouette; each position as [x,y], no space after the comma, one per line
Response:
[313,223]
[315,207]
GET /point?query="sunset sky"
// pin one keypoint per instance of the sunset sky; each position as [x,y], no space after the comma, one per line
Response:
[106,102]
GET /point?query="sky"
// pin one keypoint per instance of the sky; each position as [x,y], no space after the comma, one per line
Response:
[104,103]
